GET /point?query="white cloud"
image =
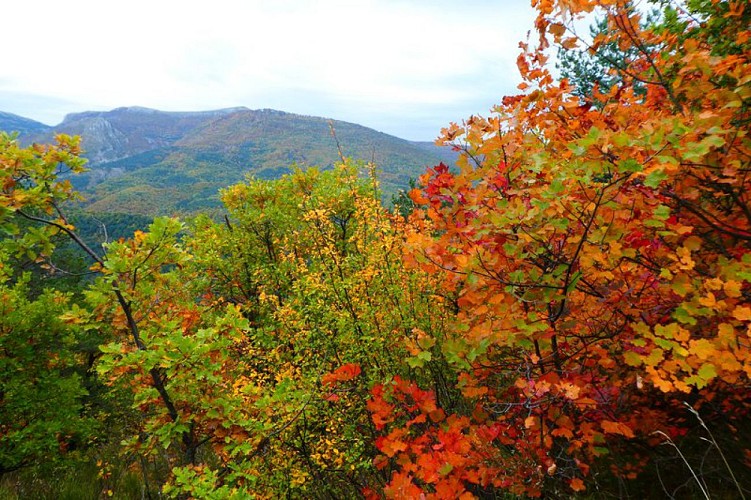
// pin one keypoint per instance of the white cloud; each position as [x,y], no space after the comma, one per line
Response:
[405,67]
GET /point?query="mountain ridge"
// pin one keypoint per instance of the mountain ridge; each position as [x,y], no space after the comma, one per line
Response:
[11,122]
[152,162]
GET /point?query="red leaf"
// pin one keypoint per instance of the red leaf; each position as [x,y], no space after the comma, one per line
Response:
[342,374]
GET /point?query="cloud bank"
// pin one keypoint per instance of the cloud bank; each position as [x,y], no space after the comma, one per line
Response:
[407,68]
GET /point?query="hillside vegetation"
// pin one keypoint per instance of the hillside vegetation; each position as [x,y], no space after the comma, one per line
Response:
[151,162]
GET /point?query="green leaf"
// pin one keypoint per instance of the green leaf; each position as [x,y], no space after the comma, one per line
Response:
[447,467]
[662,212]
[601,451]
[682,315]
[707,372]
[632,359]
[556,187]
[630,165]
[560,223]
[654,178]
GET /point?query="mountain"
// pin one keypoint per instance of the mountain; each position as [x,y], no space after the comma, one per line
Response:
[125,132]
[24,126]
[155,162]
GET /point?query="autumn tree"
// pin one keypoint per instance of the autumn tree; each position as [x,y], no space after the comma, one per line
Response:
[599,247]
[44,340]
[42,389]
[313,263]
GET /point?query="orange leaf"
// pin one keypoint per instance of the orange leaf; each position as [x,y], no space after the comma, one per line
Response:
[342,374]
[577,484]
[742,313]
[401,486]
[617,428]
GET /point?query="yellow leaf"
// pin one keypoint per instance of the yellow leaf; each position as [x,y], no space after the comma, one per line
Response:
[733,288]
[684,254]
[726,333]
[682,335]
[702,348]
[729,363]
[658,381]
[713,284]
[654,357]
[682,386]
[707,372]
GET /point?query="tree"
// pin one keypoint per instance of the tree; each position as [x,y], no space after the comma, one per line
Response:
[574,293]
[313,262]
[600,256]
[42,367]
[600,65]
[43,394]
[244,348]
[35,190]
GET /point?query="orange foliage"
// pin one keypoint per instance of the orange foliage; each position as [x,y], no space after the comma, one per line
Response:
[342,374]
[601,252]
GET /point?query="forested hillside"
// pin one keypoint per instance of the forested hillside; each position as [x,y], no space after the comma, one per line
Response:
[151,162]
[565,312]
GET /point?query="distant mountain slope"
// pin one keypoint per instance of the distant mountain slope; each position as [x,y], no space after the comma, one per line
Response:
[125,132]
[154,162]
[24,126]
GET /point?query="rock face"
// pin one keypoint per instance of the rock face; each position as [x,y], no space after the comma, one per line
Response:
[155,162]
[103,141]
[124,132]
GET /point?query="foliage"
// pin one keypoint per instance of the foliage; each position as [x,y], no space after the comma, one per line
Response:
[42,370]
[42,396]
[535,322]
[601,259]
[600,65]
[313,262]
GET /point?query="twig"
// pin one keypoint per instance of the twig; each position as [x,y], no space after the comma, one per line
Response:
[336,139]
[672,443]
[714,442]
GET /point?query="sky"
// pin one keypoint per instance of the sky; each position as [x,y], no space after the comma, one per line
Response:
[404,67]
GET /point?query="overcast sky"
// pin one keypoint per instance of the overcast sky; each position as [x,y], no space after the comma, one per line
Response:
[404,67]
